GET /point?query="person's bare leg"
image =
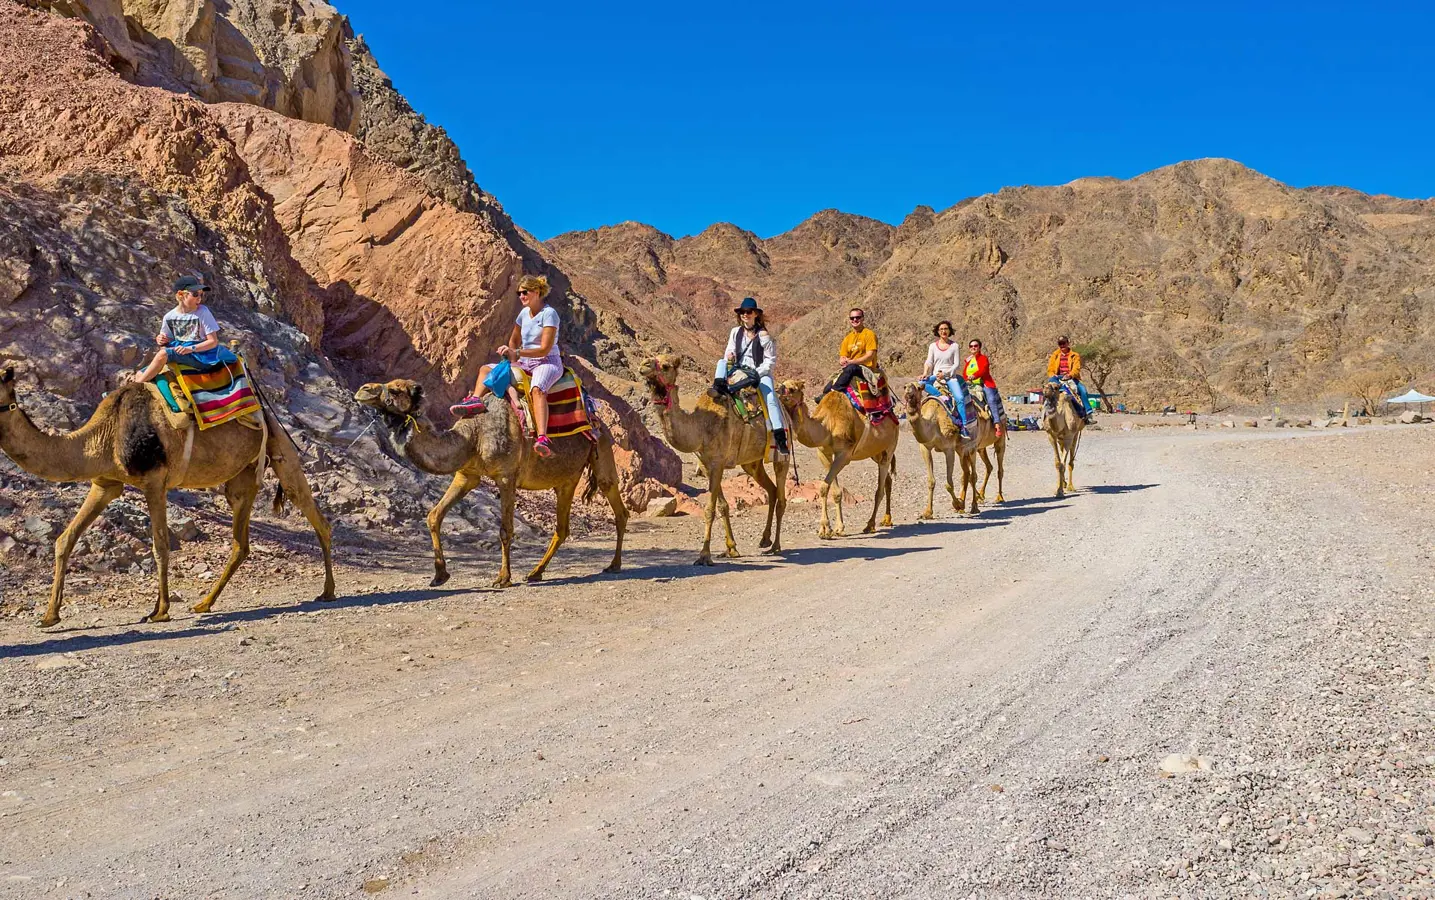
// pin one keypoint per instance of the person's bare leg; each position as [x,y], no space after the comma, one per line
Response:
[155,367]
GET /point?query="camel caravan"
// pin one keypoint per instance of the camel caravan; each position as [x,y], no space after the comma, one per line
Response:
[193,418]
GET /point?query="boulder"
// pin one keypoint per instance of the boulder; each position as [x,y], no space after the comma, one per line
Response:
[40,528]
[1411,417]
[1250,423]
[1183,763]
[662,507]
[1302,423]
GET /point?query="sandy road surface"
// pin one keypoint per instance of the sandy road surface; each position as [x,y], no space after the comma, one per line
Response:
[962,708]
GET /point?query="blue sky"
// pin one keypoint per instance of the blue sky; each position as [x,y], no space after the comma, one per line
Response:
[681,115]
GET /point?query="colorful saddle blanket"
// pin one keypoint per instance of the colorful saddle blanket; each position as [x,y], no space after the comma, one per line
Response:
[869,395]
[218,393]
[568,405]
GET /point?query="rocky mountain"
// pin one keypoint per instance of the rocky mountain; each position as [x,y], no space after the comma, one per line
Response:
[1225,285]
[343,236]
[682,291]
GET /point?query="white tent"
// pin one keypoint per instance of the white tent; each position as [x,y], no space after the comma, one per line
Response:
[1412,397]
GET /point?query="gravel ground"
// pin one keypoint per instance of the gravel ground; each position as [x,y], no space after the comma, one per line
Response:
[1206,674]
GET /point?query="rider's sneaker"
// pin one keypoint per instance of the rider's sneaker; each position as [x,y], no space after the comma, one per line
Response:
[468,406]
[542,447]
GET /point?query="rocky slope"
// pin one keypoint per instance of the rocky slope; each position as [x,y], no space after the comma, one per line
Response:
[329,262]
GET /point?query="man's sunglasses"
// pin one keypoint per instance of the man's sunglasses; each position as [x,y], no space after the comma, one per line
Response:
[854,318]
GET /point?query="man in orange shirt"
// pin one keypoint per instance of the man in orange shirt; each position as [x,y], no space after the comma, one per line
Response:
[1065,363]
[859,348]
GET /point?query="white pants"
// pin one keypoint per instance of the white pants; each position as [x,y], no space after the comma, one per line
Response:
[766,388]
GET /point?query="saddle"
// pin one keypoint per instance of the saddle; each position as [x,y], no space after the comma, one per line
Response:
[938,390]
[569,407]
[207,396]
[869,394]
[1068,388]
[746,399]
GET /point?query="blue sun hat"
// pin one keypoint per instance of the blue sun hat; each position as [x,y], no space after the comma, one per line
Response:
[747,305]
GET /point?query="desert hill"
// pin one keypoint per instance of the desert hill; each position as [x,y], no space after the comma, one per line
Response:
[1225,285]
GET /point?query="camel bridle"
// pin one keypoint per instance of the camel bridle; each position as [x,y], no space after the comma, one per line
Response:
[9,407]
[665,401]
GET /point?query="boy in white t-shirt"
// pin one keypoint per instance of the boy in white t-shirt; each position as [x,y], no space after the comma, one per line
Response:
[189,330]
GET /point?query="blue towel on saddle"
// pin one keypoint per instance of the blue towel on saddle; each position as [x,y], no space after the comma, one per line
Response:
[948,402]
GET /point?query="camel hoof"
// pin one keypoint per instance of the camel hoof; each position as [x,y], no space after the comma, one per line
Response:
[765,543]
[202,607]
[439,578]
[773,550]
[327,597]
[156,617]
[733,554]
[1000,499]
[48,622]
[534,577]
[501,582]
[871,528]
[703,561]
[981,497]
[614,568]
[886,521]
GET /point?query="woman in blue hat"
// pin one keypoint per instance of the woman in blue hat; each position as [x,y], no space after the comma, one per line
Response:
[751,351]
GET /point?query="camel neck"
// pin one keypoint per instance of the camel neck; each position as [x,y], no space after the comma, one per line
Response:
[53,457]
[680,426]
[433,452]
[810,432]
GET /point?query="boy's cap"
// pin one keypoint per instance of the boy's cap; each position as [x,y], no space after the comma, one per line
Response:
[190,283]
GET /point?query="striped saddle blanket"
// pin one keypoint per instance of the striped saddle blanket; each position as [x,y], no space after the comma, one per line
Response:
[216,394]
[870,395]
[567,404]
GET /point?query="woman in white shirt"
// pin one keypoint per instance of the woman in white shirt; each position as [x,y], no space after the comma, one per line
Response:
[533,347]
[751,349]
[944,363]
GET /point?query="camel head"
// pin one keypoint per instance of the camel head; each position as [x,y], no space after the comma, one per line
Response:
[661,375]
[915,396]
[790,393]
[399,398]
[1050,394]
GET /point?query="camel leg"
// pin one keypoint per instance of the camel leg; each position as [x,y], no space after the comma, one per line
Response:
[705,557]
[779,474]
[986,461]
[758,473]
[835,465]
[932,480]
[460,486]
[605,473]
[240,491]
[1001,468]
[970,476]
[725,510]
[887,491]
[871,526]
[620,521]
[1071,462]
[951,455]
[100,496]
[508,498]
[564,495]
[285,462]
[156,498]
[1060,468]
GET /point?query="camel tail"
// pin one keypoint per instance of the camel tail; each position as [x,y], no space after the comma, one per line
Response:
[590,492]
[278,507]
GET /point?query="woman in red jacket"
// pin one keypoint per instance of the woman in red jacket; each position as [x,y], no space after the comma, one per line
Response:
[978,373]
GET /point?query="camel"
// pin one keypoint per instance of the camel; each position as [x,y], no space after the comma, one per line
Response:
[722,441]
[492,445]
[842,435]
[934,430]
[1062,424]
[130,440]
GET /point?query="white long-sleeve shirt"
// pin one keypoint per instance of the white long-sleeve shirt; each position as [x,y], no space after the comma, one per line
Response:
[769,350]
[944,363]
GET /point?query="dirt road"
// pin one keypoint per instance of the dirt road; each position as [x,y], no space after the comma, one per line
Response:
[961,708]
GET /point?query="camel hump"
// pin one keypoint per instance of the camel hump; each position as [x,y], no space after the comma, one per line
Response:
[140,450]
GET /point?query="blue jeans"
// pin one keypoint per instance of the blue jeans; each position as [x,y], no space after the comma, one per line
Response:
[994,403]
[766,388]
[1080,389]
